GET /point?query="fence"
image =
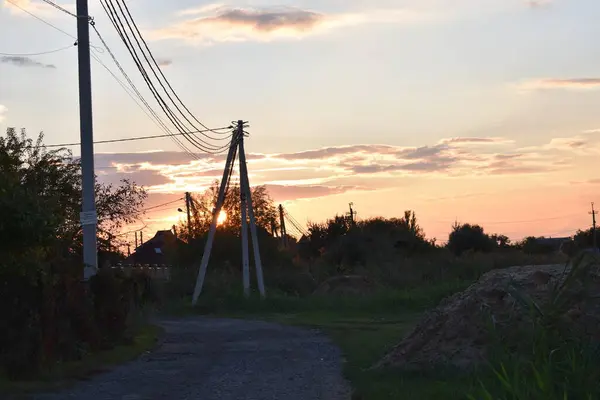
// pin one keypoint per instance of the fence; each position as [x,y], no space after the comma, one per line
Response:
[158,272]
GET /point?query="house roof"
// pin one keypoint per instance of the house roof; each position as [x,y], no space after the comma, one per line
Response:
[153,251]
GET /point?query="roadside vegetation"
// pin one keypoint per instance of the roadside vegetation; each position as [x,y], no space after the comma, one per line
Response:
[52,322]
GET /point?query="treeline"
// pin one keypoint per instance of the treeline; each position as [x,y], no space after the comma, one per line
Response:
[393,252]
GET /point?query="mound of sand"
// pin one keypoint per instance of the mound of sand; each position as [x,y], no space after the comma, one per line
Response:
[456,333]
[346,285]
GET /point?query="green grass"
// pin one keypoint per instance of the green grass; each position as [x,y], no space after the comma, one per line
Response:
[63,374]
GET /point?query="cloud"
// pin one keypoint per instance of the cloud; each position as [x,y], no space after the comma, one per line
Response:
[477,140]
[285,193]
[216,23]
[338,169]
[327,152]
[21,61]
[3,110]
[554,83]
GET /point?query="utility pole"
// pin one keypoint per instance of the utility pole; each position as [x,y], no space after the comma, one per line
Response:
[128,249]
[136,241]
[245,186]
[282,229]
[141,238]
[188,203]
[88,215]
[594,239]
[247,217]
[244,217]
[213,225]
[351,215]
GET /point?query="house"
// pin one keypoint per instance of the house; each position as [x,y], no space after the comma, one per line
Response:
[154,251]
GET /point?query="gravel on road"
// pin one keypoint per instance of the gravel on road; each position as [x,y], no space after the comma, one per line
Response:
[209,358]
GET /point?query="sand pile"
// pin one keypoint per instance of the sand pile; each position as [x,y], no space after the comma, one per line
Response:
[456,333]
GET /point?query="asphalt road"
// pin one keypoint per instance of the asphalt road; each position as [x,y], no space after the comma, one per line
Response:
[205,359]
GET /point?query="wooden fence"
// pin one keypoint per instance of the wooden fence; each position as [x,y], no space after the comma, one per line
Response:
[158,272]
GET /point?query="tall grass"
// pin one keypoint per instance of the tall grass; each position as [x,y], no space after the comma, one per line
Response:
[555,360]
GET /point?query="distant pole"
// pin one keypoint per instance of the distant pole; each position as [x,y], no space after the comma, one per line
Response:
[245,187]
[595,242]
[136,241]
[213,225]
[141,238]
[282,229]
[128,249]
[188,202]
[88,210]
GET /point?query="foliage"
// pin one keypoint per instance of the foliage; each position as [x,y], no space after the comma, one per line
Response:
[465,237]
[40,199]
[375,239]
[265,212]
[585,239]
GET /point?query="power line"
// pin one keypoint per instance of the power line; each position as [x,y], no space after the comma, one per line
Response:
[149,111]
[162,205]
[113,14]
[160,70]
[38,54]
[120,140]
[111,11]
[59,8]
[50,24]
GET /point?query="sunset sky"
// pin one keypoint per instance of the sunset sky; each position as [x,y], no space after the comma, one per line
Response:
[481,111]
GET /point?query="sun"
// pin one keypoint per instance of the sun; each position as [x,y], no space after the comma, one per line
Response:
[222,217]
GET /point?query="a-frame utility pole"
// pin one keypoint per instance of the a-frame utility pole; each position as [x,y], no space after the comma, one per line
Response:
[247,213]
[88,215]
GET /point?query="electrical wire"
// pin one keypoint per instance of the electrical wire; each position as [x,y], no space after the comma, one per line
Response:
[148,110]
[117,140]
[160,70]
[100,50]
[117,21]
[120,27]
[162,205]
[38,54]
[59,8]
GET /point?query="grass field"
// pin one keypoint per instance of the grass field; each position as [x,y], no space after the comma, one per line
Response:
[61,375]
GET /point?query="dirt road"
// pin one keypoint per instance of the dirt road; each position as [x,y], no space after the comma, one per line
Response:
[204,359]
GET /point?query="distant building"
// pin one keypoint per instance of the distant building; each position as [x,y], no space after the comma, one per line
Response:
[155,250]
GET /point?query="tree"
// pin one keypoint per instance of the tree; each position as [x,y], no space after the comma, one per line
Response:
[585,239]
[265,212]
[40,201]
[501,241]
[469,237]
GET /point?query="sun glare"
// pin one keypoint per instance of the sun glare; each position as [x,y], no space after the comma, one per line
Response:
[222,217]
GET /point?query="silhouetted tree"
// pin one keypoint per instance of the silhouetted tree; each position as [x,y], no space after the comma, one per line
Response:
[466,237]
